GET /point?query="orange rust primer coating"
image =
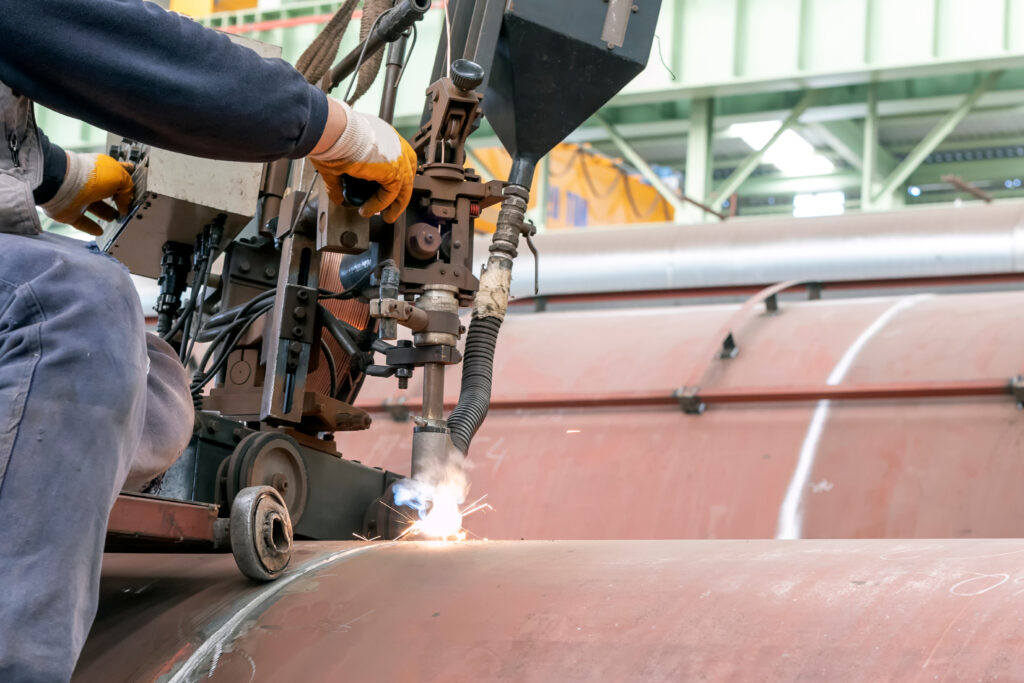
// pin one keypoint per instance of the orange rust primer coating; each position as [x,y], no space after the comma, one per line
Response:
[864,610]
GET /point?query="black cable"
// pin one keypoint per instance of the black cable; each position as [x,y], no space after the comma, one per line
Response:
[362,53]
[333,326]
[332,368]
[231,314]
[201,299]
[198,383]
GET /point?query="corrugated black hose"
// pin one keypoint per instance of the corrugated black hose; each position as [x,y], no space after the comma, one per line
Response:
[477,373]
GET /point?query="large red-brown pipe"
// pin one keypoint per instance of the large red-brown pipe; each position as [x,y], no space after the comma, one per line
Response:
[866,610]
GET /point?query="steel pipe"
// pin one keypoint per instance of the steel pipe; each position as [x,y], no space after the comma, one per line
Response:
[917,242]
[865,610]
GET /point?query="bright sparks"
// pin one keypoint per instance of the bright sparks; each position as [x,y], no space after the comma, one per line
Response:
[443,520]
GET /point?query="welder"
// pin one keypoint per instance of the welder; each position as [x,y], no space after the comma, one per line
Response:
[85,396]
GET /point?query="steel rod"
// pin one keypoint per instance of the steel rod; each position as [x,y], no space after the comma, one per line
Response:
[740,395]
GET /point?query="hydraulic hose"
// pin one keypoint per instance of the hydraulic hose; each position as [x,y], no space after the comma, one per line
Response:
[489,310]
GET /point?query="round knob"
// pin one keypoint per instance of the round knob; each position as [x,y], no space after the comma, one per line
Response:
[467,75]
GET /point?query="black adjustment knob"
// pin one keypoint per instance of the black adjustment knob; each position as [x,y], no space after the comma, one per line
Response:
[467,75]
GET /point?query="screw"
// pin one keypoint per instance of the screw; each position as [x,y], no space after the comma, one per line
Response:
[302,295]
[299,313]
[403,382]
[295,347]
[297,331]
[442,271]
[457,244]
[349,238]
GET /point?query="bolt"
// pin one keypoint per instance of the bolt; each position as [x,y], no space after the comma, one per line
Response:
[442,271]
[457,244]
[349,238]
[211,427]
[611,46]
[237,434]
[403,383]
[299,313]
[634,9]
[302,295]
[295,348]
[244,267]
[270,272]
[297,331]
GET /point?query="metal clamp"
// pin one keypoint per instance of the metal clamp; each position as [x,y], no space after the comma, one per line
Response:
[690,401]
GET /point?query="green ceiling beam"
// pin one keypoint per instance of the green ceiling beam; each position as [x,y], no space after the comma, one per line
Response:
[846,139]
[750,164]
[934,138]
[699,158]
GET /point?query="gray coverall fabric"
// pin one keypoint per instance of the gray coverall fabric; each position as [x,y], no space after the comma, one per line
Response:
[73,371]
[84,399]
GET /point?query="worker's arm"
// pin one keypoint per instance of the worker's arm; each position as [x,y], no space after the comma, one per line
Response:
[132,68]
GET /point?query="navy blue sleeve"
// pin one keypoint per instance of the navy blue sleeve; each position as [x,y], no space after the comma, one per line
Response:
[55,167]
[139,71]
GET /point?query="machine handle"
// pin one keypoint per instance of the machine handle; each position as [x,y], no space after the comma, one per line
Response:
[358,191]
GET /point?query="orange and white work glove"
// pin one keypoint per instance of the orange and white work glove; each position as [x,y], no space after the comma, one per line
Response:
[90,179]
[370,149]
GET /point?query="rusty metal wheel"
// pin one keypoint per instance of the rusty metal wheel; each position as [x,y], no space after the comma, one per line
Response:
[270,459]
[261,533]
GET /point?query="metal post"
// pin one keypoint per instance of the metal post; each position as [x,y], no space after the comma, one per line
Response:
[750,164]
[677,204]
[699,162]
[392,71]
[870,155]
[433,391]
[935,137]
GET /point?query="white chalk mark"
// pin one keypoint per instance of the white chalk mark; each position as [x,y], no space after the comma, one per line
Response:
[822,486]
[214,643]
[791,512]
[957,588]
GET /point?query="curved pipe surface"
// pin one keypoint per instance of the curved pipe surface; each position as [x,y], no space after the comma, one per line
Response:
[917,242]
[866,610]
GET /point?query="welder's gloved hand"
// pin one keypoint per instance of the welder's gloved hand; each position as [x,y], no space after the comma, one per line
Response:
[91,179]
[370,149]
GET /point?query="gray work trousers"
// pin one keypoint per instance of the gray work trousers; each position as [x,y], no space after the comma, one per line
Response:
[73,368]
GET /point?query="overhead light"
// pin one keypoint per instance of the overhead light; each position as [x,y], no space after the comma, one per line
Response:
[791,154]
[819,204]
[914,191]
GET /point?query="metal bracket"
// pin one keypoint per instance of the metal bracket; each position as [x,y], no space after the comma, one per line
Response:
[411,356]
[299,314]
[690,401]
[1017,390]
[616,21]
[729,347]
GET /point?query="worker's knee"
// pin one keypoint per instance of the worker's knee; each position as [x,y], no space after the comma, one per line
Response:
[94,325]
